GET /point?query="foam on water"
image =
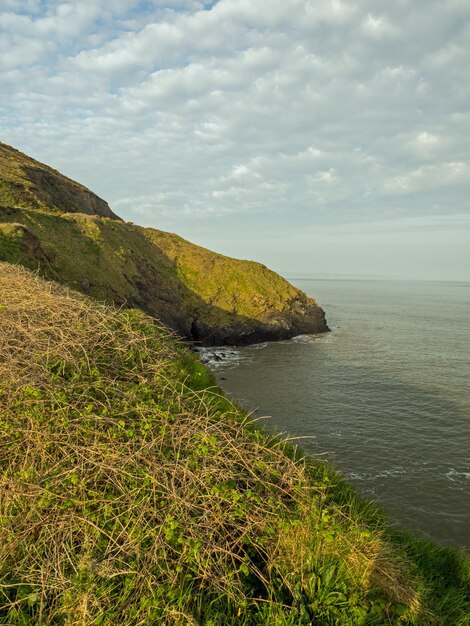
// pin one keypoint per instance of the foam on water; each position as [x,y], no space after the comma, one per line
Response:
[456,476]
[221,357]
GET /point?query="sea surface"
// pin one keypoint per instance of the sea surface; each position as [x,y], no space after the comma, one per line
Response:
[385,396]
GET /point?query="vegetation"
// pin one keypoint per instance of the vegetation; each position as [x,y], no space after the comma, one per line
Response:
[50,223]
[132,492]
[24,182]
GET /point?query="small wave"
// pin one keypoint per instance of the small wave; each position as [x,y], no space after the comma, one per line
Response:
[303,339]
[455,476]
[323,337]
[259,346]
[374,476]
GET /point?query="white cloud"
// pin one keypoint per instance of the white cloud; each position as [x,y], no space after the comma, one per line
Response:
[430,177]
[310,113]
[328,177]
[378,26]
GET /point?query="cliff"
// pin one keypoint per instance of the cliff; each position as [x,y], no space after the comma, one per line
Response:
[52,224]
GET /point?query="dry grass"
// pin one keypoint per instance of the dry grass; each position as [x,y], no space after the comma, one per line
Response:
[127,496]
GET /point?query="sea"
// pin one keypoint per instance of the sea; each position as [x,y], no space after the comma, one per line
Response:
[384,396]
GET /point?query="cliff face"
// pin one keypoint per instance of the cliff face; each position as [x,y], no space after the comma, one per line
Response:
[52,224]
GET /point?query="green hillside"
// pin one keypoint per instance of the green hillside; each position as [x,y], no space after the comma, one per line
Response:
[24,182]
[133,493]
[50,223]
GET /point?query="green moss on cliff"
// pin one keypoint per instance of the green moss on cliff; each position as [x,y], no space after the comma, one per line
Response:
[235,286]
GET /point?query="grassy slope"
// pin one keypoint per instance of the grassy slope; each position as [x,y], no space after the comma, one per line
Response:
[53,224]
[79,248]
[230,284]
[24,182]
[132,492]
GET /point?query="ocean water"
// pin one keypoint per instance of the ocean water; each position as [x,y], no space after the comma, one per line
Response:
[385,396]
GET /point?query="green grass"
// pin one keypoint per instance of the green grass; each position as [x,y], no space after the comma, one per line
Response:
[240,286]
[132,492]
[10,241]
[26,183]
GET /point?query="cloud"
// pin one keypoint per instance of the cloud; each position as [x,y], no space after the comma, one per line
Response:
[207,117]
[430,177]
[378,26]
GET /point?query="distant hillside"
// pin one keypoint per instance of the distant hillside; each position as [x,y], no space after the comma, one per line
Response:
[50,223]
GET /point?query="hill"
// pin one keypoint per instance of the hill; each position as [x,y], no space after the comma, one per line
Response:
[132,492]
[25,182]
[54,225]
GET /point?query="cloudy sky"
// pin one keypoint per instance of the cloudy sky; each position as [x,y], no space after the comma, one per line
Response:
[317,136]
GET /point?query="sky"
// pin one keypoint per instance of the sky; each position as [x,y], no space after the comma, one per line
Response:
[320,137]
